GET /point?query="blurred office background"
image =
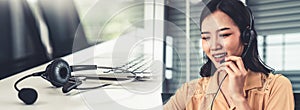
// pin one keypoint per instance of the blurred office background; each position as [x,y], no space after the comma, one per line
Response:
[33,32]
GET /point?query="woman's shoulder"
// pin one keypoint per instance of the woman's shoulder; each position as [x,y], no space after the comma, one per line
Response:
[278,81]
[278,78]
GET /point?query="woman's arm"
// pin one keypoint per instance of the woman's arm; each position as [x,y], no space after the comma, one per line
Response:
[178,101]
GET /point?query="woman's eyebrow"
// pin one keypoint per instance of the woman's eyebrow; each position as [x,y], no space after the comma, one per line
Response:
[222,29]
[205,32]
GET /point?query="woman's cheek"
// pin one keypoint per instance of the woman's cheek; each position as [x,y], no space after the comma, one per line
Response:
[205,47]
[205,44]
[227,46]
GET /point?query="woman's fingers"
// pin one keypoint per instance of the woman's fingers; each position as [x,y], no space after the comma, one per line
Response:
[238,61]
[229,71]
[232,66]
[236,71]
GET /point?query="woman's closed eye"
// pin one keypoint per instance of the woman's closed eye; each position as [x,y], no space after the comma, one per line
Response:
[205,38]
[225,35]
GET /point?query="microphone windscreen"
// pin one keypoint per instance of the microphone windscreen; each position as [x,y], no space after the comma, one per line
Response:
[28,95]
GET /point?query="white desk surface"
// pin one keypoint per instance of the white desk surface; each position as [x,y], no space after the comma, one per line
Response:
[130,96]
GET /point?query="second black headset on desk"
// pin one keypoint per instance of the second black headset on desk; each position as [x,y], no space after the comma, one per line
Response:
[58,73]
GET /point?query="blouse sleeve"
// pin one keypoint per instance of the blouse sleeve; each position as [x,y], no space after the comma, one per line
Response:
[178,100]
[281,95]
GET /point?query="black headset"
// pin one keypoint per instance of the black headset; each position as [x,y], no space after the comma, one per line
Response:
[58,73]
[248,34]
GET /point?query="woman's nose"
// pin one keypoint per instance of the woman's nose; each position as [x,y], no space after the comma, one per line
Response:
[216,43]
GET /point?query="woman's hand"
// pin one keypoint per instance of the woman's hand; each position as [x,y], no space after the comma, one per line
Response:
[236,71]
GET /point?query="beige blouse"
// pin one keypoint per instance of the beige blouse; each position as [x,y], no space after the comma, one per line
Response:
[272,92]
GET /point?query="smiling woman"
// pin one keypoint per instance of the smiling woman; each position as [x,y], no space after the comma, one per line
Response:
[234,77]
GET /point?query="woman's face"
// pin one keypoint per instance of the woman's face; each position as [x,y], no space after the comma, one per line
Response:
[220,37]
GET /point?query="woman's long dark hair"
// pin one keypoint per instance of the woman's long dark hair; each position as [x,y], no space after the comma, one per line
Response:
[239,13]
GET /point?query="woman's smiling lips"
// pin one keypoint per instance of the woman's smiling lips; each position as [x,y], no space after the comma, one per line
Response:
[219,56]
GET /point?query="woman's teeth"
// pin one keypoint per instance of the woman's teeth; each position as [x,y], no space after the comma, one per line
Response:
[219,55]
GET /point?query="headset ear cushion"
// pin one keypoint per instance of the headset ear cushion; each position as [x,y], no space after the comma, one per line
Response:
[58,72]
[246,36]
